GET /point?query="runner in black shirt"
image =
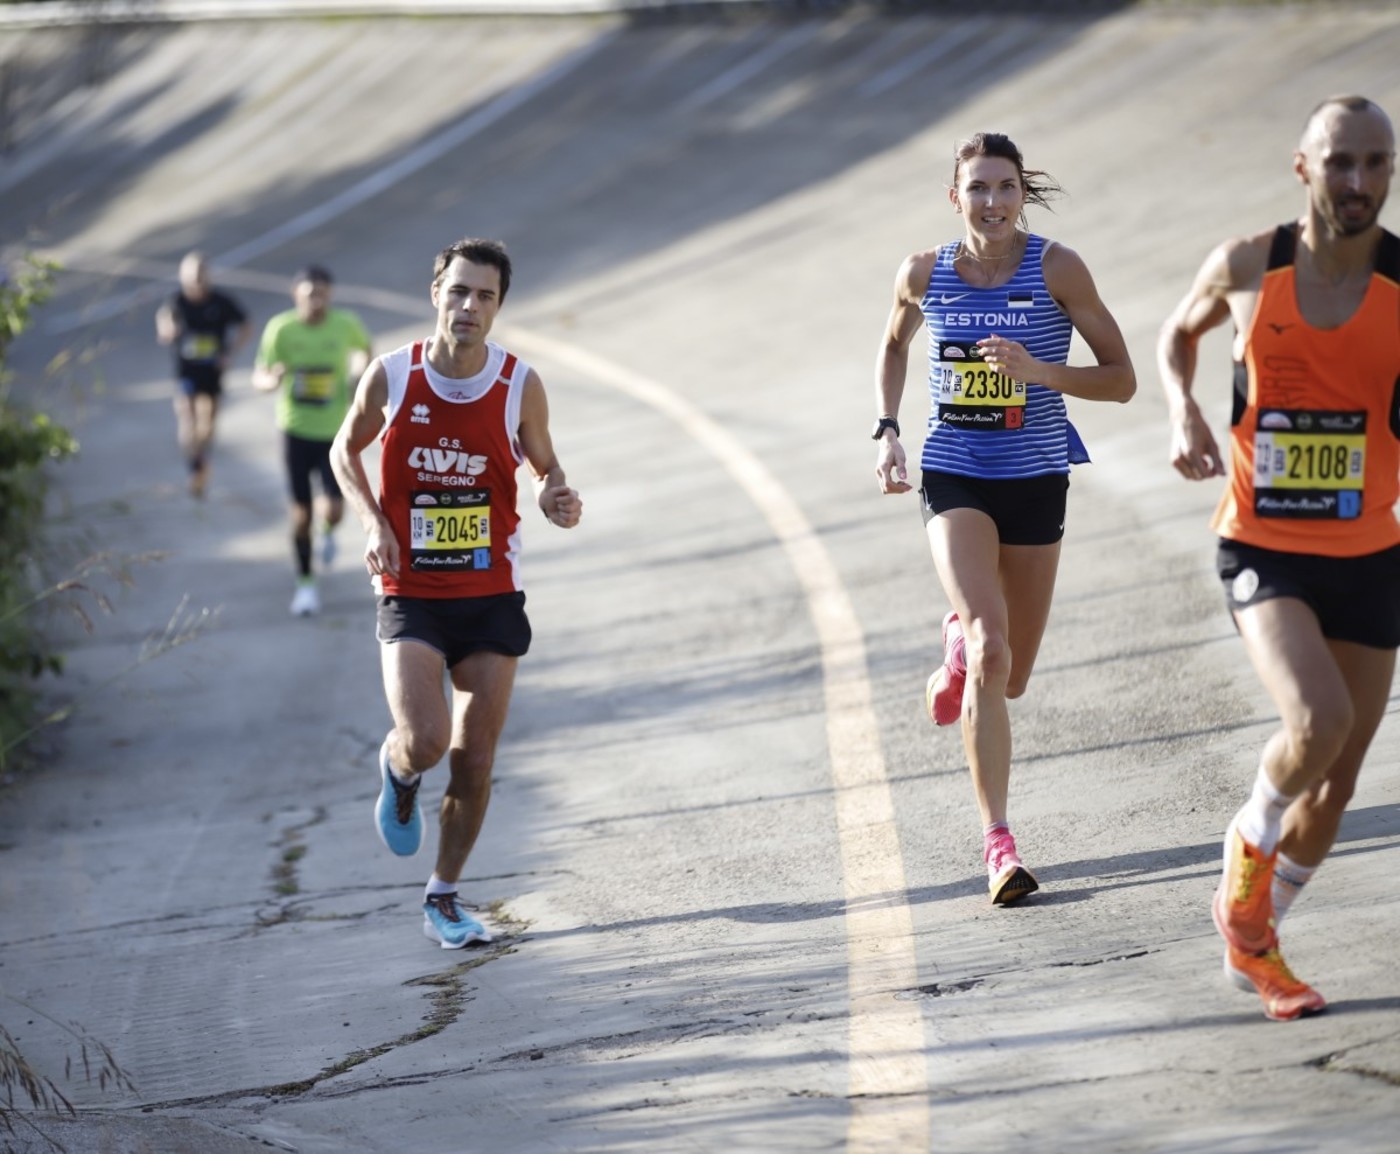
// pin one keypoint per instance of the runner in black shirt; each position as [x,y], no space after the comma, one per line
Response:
[196,322]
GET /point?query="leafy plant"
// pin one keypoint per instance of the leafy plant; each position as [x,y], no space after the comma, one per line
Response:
[29,442]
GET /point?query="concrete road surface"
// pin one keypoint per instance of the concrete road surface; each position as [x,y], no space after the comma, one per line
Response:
[733,872]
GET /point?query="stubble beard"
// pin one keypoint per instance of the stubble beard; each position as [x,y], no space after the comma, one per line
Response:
[1344,227]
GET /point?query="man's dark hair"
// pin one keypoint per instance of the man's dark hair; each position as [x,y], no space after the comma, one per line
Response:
[488,252]
[1350,103]
[315,273]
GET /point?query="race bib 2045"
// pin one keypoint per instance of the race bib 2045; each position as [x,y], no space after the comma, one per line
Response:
[450,530]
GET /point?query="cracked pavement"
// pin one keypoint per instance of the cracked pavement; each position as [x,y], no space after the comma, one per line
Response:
[191,873]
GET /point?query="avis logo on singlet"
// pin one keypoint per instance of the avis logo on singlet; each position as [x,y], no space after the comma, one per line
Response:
[446,466]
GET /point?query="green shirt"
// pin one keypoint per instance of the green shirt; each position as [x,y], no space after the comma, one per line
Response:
[315,390]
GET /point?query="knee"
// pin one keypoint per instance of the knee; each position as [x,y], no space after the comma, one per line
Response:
[988,656]
[301,521]
[422,750]
[1321,730]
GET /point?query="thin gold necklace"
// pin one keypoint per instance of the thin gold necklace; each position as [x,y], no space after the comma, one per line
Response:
[987,259]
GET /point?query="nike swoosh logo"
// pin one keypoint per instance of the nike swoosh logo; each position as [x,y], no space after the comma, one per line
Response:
[945,299]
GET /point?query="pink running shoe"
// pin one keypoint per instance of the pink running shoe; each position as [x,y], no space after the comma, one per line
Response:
[944,693]
[1007,879]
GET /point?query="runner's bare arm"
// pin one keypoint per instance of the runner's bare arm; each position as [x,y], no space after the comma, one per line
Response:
[557,501]
[1111,378]
[167,327]
[241,336]
[361,426]
[892,364]
[1232,269]
[358,362]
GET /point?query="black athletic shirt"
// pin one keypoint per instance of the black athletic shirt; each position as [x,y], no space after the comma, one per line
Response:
[203,329]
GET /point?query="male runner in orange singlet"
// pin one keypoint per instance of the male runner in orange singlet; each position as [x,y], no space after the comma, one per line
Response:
[1309,542]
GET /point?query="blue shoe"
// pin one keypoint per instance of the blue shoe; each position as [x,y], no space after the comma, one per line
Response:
[448,924]
[397,814]
[328,546]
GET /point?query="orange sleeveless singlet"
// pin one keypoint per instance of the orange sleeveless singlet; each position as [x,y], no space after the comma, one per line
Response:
[1315,433]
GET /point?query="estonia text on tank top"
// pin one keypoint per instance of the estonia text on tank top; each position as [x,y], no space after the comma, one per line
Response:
[983,424]
[448,461]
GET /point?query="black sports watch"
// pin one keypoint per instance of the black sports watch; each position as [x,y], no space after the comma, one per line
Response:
[881,425]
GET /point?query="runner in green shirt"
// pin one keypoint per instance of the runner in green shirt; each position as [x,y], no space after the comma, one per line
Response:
[311,355]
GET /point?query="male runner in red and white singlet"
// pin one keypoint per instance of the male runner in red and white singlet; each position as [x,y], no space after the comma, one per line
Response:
[456,415]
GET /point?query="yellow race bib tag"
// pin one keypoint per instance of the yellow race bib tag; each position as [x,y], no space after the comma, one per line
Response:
[315,386]
[450,530]
[200,347]
[973,396]
[1309,464]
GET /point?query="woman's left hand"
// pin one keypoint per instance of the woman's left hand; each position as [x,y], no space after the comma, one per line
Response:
[1008,357]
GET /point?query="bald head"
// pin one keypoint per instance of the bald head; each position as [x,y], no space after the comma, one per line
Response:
[1328,117]
[194,276]
[1346,158]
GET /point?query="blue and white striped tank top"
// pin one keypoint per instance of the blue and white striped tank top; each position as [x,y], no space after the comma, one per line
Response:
[982,424]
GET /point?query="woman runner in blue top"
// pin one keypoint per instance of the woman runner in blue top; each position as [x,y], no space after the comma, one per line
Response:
[1000,306]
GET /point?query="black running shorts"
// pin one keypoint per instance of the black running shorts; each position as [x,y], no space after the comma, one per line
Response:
[1355,598]
[303,458]
[457,626]
[1026,510]
[198,381]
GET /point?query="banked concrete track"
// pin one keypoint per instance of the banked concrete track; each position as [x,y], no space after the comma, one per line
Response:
[734,873]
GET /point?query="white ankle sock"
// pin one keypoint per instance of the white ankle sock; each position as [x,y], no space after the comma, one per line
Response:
[401,778]
[1260,822]
[1289,880]
[437,886]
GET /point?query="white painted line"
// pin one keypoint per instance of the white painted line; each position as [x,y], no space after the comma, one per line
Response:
[888,1068]
[57,13]
[415,161]
[929,54]
[749,67]
[886,44]
[380,181]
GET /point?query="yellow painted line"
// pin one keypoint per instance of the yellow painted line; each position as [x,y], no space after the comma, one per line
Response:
[888,1070]
[888,1079]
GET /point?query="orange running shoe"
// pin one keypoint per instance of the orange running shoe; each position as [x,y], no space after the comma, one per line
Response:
[1243,908]
[944,693]
[1007,879]
[1268,975]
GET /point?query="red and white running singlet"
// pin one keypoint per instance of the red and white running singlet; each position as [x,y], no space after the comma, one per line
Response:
[449,455]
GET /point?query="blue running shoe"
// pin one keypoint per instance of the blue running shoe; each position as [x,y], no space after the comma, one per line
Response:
[397,814]
[448,924]
[328,546]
